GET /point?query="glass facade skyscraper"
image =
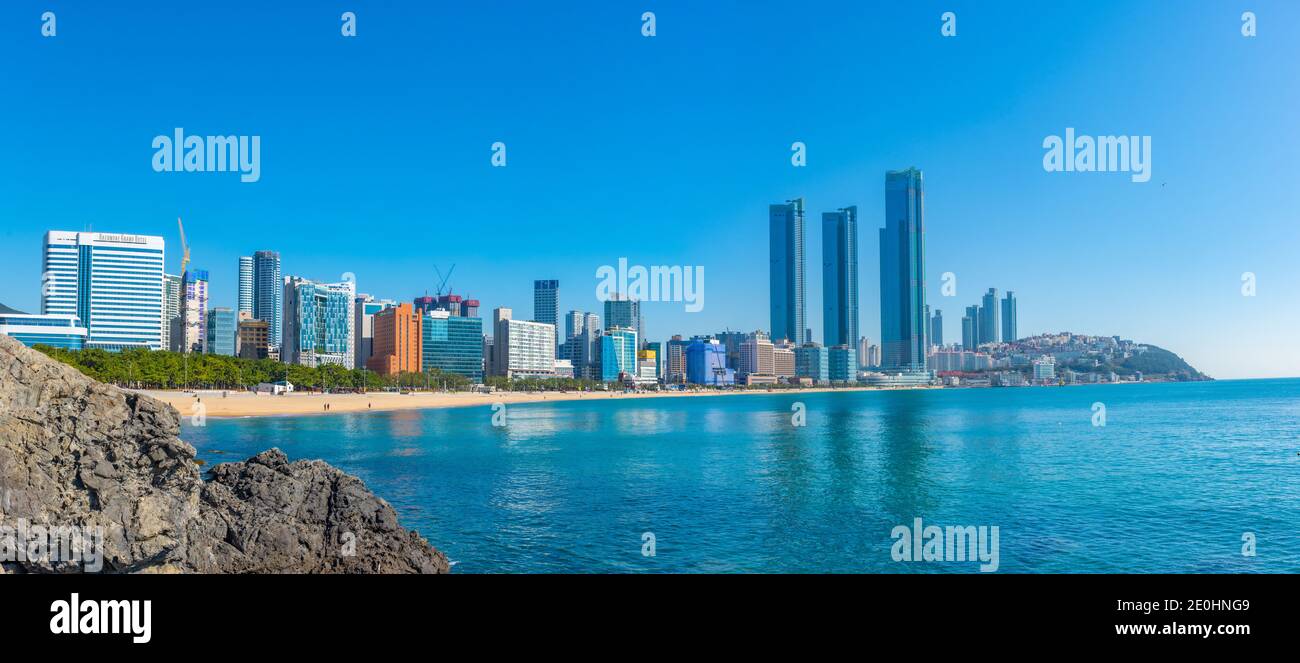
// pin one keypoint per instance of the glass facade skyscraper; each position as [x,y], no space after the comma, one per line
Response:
[112,283]
[786,270]
[903,334]
[840,276]
[245,285]
[268,294]
[617,354]
[1009,334]
[453,344]
[623,311]
[546,302]
[990,325]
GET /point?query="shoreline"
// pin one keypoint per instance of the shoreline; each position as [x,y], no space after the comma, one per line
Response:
[239,404]
[242,404]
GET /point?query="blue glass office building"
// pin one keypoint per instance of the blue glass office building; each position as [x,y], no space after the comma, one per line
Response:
[617,354]
[840,276]
[452,344]
[221,331]
[786,270]
[903,333]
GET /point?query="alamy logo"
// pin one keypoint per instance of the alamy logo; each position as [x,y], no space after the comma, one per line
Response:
[953,544]
[210,154]
[75,616]
[1100,154]
[26,541]
[658,283]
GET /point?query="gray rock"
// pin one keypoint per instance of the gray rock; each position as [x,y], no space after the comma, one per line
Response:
[78,453]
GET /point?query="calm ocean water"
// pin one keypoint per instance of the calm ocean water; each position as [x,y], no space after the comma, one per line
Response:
[727,484]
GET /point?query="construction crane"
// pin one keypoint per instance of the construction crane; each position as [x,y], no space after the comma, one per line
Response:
[185,249]
[442,289]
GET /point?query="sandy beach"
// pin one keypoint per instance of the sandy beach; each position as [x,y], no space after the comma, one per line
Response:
[246,404]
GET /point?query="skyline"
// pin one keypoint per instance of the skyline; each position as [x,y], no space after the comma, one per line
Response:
[408,153]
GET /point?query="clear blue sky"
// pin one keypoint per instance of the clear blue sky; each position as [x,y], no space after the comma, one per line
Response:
[667,150]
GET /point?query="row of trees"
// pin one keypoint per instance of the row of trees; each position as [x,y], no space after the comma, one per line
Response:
[156,369]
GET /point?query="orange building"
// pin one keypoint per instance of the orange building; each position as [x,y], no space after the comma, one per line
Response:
[398,344]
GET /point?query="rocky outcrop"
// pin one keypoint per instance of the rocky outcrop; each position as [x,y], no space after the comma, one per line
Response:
[78,454]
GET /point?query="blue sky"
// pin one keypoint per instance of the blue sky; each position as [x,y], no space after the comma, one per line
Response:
[375,155]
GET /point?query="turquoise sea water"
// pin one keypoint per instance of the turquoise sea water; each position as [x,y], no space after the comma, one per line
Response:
[727,484]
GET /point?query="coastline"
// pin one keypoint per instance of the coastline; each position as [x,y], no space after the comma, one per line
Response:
[247,404]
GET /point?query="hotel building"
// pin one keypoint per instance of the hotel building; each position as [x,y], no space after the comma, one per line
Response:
[522,348]
[56,330]
[112,283]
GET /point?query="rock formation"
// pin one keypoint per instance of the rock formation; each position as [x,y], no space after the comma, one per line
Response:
[76,453]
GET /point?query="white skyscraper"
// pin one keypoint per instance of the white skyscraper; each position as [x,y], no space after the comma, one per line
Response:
[245,285]
[112,282]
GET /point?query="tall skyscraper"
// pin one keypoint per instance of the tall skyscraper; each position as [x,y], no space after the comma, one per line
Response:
[990,325]
[268,294]
[194,311]
[840,276]
[546,302]
[112,282]
[970,325]
[1009,334]
[936,328]
[625,312]
[786,270]
[902,273]
[171,312]
[573,321]
[245,285]
[318,322]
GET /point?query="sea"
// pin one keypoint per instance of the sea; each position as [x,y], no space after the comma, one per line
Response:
[1195,477]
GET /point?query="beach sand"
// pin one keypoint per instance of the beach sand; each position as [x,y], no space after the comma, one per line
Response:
[246,404]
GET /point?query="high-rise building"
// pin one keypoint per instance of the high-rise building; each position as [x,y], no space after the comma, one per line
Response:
[786,270]
[112,283]
[573,322]
[783,359]
[398,341]
[546,301]
[57,330]
[618,347]
[970,329]
[675,362]
[624,312]
[245,285]
[1009,334]
[171,327]
[873,356]
[990,325]
[221,331]
[318,319]
[194,311]
[453,344]
[522,348]
[904,338]
[706,363]
[363,327]
[843,363]
[268,294]
[863,344]
[840,276]
[756,355]
[936,328]
[813,362]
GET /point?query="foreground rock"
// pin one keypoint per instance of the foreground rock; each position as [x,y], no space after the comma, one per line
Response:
[78,453]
